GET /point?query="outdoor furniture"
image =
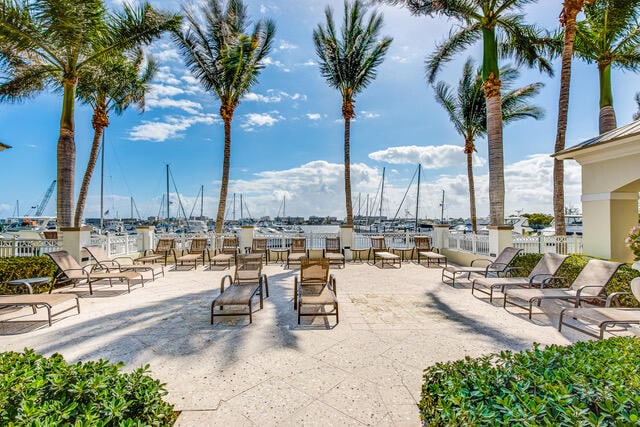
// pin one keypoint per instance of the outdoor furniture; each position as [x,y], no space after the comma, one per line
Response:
[380,252]
[259,246]
[543,271]
[29,283]
[121,263]
[34,301]
[281,254]
[164,248]
[315,287]
[588,285]
[226,253]
[602,317]
[424,250]
[197,250]
[71,271]
[333,251]
[298,250]
[496,267]
[247,281]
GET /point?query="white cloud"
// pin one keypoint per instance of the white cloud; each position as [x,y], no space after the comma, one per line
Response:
[254,120]
[430,156]
[309,63]
[368,115]
[164,75]
[270,61]
[285,45]
[314,116]
[256,97]
[156,90]
[171,128]
[187,106]
[167,55]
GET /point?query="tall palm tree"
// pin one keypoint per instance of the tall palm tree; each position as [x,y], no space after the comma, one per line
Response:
[467,111]
[570,10]
[636,115]
[114,83]
[500,26]
[348,62]
[226,59]
[52,43]
[609,36]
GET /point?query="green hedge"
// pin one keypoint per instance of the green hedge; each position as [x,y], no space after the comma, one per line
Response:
[24,267]
[39,391]
[587,383]
[572,266]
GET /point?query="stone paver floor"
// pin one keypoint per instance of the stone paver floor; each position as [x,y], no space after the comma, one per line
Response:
[367,370]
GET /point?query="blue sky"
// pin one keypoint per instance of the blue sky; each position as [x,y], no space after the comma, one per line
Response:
[287,134]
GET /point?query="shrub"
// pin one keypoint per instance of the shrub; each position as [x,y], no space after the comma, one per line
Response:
[587,383]
[23,267]
[35,390]
[572,266]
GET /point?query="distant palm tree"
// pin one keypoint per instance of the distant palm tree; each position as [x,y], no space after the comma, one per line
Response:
[467,109]
[50,43]
[500,26]
[348,62]
[636,115]
[113,84]
[609,36]
[227,61]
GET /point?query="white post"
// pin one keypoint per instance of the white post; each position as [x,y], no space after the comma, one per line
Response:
[440,236]
[246,238]
[500,237]
[146,238]
[346,240]
[74,239]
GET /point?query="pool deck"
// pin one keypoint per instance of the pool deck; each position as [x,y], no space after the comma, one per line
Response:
[367,370]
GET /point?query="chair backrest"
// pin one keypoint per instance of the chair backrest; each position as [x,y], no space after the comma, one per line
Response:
[298,244]
[229,245]
[259,244]
[378,244]
[332,244]
[505,258]
[65,262]
[423,243]
[548,265]
[596,273]
[165,244]
[248,269]
[97,253]
[314,271]
[198,245]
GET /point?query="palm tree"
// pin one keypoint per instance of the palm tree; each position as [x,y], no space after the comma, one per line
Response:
[609,36]
[349,65]
[636,115]
[112,85]
[500,26]
[51,44]
[227,61]
[467,111]
[570,10]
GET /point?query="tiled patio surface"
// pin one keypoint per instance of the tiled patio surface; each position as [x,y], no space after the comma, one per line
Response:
[367,370]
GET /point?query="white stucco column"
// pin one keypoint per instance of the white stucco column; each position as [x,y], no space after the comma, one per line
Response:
[500,237]
[74,239]
[146,238]
[346,236]
[246,237]
[440,237]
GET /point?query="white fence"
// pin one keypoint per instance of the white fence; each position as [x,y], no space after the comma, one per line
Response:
[479,244]
[474,243]
[10,247]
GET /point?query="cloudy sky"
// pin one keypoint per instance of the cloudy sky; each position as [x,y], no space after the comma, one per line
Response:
[287,134]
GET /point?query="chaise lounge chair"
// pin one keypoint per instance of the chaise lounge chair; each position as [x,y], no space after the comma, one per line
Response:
[297,251]
[496,267]
[164,248]
[333,251]
[47,301]
[543,271]
[227,252]
[259,246]
[122,263]
[197,250]
[425,250]
[315,287]
[588,286]
[247,281]
[381,252]
[71,271]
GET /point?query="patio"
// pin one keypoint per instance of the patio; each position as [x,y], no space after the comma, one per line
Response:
[367,370]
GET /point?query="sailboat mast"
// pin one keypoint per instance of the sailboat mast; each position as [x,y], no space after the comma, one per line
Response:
[168,216]
[418,197]
[234,206]
[442,209]
[201,201]
[102,185]
[131,209]
[241,210]
[381,193]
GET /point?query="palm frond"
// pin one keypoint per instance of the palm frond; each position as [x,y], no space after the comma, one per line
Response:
[455,43]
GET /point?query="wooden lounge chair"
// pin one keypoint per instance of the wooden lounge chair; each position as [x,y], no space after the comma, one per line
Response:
[315,287]
[197,251]
[424,250]
[227,252]
[587,286]
[259,246]
[496,267]
[34,301]
[381,252]
[164,248]
[72,272]
[247,281]
[333,251]
[297,251]
[543,271]
[121,263]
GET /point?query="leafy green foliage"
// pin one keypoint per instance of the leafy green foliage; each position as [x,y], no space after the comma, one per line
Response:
[35,390]
[572,266]
[587,383]
[24,267]
[538,220]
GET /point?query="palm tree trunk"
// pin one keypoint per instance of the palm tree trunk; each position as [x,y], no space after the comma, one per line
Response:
[607,113]
[66,154]
[347,169]
[227,114]
[100,121]
[496,158]
[468,149]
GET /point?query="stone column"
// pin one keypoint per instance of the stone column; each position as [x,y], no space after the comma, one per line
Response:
[346,240]
[146,238]
[246,237]
[440,237]
[74,239]
[500,237]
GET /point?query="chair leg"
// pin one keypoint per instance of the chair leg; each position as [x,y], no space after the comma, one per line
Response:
[337,314]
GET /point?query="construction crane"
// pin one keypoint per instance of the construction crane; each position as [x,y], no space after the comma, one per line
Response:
[45,199]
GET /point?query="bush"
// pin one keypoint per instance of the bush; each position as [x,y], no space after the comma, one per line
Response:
[24,267]
[587,383]
[35,390]
[572,266]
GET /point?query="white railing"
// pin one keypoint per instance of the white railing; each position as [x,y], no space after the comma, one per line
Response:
[543,244]
[10,247]
[116,245]
[469,242]
[400,238]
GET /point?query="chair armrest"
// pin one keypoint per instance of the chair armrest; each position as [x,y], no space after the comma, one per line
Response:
[332,284]
[541,276]
[497,266]
[550,279]
[613,296]
[582,288]
[148,252]
[121,257]
[227,276]
[479,260]
[508,270]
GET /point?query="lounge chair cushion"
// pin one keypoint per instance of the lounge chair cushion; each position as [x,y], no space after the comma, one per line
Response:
[317,295]
[237,295]
[601,315]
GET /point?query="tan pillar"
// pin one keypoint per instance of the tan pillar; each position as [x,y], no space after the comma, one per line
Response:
[74,239]
[245,240]
[500,237]
[440,237]
[146,238]
[346,236]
